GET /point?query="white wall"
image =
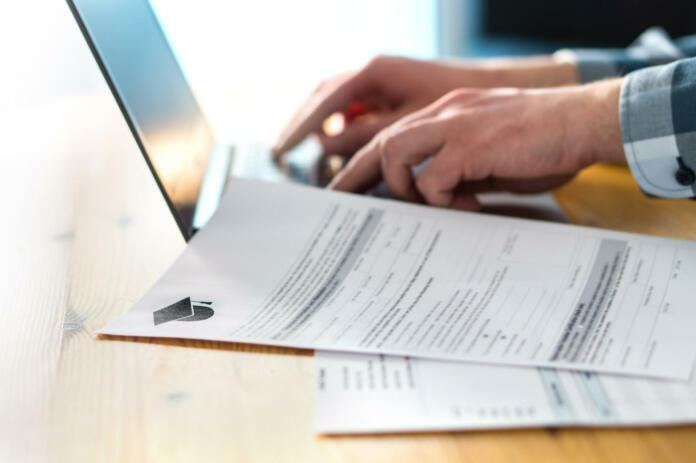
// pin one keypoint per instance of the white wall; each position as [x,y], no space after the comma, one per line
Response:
[250,62]
[253,62]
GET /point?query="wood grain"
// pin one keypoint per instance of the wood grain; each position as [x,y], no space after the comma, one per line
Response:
[90,233]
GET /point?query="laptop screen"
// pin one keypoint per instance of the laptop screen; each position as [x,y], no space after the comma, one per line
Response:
[149,86]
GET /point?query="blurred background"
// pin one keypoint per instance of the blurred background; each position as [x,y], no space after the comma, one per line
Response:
[252,62]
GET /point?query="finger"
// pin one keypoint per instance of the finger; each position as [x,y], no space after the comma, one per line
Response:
[361,173]
[452,175]
[364,170]
[354,136]
[440,177]
[406,146]
[440,184]
[530,185]
[332,97]
[485,185]
[357,134]
[465,202]
[515,185]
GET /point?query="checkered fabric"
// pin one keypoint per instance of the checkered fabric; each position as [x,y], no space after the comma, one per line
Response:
[657,108]
[658,125]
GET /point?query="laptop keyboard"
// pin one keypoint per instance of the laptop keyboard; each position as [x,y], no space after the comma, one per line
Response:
[254,160]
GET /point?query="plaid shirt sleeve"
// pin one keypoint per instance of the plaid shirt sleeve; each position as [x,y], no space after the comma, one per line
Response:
[657,108]
[653,47]
[658,126]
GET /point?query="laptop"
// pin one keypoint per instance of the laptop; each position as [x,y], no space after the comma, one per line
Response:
[191,168]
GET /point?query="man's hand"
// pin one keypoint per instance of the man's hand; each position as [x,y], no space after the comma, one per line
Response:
[390,88]
[480,140]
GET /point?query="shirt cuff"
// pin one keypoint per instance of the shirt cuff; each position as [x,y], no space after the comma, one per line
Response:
[591,64]
[648,131]
[652,47]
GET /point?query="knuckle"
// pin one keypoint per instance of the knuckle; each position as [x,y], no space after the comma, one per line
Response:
[460,92]
[468,169]
[460,95]
[388,148]
[379,63]
[454,95]
[425,184]
[377,60]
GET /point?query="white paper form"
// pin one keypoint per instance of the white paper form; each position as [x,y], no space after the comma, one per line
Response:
[297,266]
[360,393]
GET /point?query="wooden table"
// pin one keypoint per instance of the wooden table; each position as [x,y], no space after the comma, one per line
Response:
[85,233]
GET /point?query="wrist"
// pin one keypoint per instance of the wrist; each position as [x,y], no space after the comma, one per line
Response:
[605,121]
[595,124]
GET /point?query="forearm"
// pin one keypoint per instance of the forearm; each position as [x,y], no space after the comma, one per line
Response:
[531,72]
[573,66]
[526,72]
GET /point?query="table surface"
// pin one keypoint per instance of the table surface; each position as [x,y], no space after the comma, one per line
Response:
[86,233]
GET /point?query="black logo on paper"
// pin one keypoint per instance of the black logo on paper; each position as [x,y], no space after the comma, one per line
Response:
[185,310]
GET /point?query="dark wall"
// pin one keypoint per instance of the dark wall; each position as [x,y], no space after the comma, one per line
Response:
[592,22]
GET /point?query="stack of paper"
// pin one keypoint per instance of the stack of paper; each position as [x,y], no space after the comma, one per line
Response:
[296,266]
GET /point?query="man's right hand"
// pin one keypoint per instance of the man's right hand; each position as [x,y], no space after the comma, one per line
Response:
[479,140]
[392,87]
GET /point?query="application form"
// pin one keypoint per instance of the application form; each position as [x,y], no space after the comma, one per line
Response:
[297,266]
[359,393]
